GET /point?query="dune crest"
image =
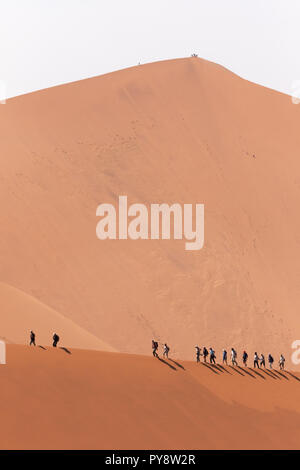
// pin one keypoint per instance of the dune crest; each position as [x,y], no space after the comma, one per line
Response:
[21,313]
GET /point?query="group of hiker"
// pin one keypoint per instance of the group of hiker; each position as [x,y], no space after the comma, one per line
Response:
[32,339]
[166,349]
[258,361]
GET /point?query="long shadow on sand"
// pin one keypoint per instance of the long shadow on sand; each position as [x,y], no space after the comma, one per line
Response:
[292,375]
[246,372]
[209,367]
[257,373]
[219,368]
[66,350]
[216,366]
[177,364]
[280,373]
[236,370]
[42,347]
[274,375]
[267,373]
[223,369]
[167,364]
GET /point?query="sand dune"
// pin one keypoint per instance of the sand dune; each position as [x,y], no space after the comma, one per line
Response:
[90,399]
[181,131]
[21,313]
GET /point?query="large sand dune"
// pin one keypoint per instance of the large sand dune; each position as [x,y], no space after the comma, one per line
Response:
[185,131]
[89,399]
[20,313]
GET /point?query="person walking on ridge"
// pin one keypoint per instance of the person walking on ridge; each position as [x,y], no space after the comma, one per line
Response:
[55,340]
[154,348]
[224,356]
[166,351]
[270,360]
[198,353]
[281,362]
[256,359]
[205,353]
[245,358]
[32,338]
[262,361]
[212,356]
[233,357]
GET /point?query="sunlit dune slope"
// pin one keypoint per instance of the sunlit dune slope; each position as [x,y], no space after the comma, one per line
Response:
[185,131]
[20,313]
[89,399]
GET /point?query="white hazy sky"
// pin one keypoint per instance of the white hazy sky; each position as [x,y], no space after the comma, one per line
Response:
[49,42]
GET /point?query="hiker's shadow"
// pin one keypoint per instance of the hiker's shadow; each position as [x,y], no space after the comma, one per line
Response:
[222,368]
[257,373]
[42,347]
[271,371]
[210,368]
[236,370]
[280,374]
[292,375]
[269,374]
[177,364]
[66,350]
[165,362]
[247,372]
[217,367]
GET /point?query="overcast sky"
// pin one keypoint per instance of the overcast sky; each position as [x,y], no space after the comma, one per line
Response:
[49,42]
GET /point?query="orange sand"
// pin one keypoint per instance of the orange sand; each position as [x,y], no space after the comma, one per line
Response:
[22,313]
[50,399]
[185,131]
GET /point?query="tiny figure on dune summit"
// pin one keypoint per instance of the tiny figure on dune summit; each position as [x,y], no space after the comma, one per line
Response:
[55,340]
[32,338]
